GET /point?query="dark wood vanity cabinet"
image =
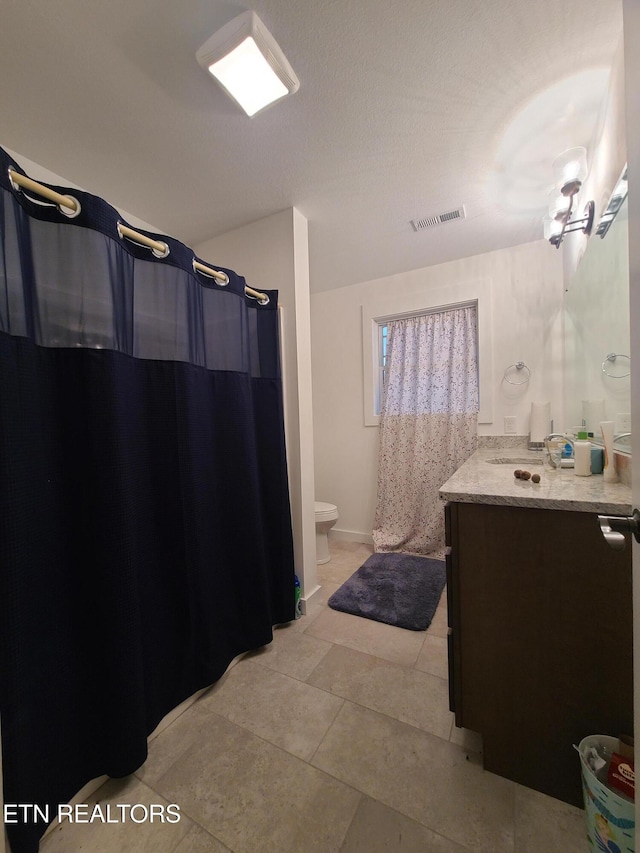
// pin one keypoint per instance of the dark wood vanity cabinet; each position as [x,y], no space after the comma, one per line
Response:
[540,638]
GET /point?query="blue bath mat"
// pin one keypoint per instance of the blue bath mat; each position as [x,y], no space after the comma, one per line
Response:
[399,589]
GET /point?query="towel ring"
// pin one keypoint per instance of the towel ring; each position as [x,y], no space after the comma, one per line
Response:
[519,365]
[611,358]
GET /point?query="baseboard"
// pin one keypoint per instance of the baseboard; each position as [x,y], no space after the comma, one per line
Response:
[350,536]
[308,600]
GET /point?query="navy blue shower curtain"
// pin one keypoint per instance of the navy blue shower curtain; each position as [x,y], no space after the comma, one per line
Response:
[145,533]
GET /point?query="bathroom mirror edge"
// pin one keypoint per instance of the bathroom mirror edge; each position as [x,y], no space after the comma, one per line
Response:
[597,326]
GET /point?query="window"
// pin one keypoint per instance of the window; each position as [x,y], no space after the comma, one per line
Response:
[377,314]
[383,329]
[383,333]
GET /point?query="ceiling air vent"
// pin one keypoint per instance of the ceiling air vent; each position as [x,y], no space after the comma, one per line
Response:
[438,219]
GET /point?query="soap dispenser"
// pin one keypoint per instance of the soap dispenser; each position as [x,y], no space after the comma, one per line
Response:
[567,460]
[582,455]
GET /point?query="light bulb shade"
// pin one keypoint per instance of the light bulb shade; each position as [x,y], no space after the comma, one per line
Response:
[570,170]
[552,228]
[247,62]
[558,204]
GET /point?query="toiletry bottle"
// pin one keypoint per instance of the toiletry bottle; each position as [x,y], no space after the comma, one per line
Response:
[567,460]
[597,456]
[567,450]
[610,474]
[582,455]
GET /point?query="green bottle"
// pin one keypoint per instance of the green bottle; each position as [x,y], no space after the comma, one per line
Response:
[298,611]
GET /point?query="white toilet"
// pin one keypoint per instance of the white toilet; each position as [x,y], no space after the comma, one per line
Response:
[326,517]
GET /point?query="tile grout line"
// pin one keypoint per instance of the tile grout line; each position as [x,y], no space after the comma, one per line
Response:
[344,699]
[329,727]
[193,819]
[316,769]
[393,808]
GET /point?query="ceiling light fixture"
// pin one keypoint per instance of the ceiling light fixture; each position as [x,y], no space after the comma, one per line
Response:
[247,62]
[570,170]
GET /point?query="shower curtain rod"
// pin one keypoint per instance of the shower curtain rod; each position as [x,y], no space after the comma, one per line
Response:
[161,249]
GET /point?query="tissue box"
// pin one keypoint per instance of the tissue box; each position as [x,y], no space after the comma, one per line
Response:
[621,775]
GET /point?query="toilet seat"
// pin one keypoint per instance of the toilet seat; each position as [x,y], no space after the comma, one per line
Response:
[325,511]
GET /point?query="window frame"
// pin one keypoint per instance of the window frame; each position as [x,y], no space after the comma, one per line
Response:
[381,356]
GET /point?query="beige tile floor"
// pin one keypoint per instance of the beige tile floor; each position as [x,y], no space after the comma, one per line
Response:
[335,737]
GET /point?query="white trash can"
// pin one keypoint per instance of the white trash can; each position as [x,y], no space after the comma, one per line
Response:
[610,817]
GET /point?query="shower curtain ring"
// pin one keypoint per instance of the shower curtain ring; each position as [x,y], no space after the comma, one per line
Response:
[68,205]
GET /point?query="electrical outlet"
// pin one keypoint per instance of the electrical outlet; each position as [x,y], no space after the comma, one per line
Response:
[510,425]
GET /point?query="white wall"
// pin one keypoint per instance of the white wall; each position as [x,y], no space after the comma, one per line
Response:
[526,302]
[272,253]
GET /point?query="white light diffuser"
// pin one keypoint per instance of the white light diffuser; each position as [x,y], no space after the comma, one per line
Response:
[570,168]
[558,204]
[247,62]
[552,228]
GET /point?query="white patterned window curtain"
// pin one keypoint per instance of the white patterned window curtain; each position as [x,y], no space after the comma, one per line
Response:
[428,425]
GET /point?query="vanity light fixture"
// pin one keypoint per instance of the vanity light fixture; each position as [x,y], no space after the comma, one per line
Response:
[616,201]
[248,63]
[570,170]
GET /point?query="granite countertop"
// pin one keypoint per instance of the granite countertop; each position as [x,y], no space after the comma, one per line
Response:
[479,481]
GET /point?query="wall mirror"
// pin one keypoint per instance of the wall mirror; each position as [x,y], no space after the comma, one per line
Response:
[597,332]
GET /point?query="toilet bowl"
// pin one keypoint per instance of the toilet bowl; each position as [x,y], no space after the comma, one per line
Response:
[326,517]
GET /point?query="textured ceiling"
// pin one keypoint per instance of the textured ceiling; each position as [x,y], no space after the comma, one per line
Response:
[406,109]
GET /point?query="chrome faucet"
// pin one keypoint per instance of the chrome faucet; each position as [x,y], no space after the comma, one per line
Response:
[564,438]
